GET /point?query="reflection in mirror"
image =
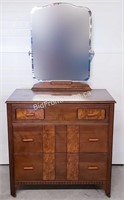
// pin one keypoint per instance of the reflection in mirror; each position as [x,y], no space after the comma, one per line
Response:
[61,42]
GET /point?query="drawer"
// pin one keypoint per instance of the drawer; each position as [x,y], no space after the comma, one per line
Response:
[98,114]
[92,167]
[94,138]
[61,112]
[27,142]
[29,114]
[28,168]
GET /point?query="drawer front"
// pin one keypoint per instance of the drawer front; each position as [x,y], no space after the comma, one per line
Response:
[92,167]
[98,114]
[27,142]
[60,138]
[94,138]
[29,114]
[28,168]
[61,166]
[62,112]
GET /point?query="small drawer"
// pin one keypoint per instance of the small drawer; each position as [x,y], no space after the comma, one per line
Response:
[27,142]
[94,138]
[86,114]
[29,114]
[28,168]
[92,167]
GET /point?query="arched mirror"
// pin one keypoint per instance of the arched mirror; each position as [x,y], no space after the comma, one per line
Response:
[61,42]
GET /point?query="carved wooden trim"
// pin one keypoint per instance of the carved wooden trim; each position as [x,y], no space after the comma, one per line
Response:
[60,182]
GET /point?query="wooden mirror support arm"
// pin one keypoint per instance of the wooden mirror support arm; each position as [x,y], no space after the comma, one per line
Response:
[61,86]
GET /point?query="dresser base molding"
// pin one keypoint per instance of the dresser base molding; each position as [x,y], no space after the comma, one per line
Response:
[61,185]
[60,182]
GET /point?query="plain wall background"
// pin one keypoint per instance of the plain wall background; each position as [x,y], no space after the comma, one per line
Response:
[106,68]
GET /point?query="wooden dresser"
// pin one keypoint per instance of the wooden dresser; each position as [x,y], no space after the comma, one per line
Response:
[60,143]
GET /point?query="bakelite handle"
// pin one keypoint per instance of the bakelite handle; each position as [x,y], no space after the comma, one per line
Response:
[27,140]
[93,139]
[30,114]
[92,168]
[92,114]
[28,168]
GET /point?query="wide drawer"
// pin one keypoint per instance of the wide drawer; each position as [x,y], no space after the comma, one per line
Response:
[28,168]
[61,112]
[94,138]
[61,166]
[92,167]
[37,138]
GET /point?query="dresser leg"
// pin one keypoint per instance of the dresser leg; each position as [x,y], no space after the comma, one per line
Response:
[108,191]
[13,191]
[108,194]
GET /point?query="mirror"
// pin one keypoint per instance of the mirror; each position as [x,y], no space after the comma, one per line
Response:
[61,42]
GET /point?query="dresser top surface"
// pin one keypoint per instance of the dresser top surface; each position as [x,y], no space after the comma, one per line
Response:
[27,95]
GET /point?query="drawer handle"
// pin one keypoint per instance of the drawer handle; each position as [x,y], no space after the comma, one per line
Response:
[92,168]
[93,139]
[28,168]
[30,114]
[27,140]
[92,114]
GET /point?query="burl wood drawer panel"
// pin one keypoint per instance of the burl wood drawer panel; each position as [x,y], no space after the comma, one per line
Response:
[48,139]
[48,166]
[29,114]
[94,138]
[72,139]
[98,114]
[92,166]
[28,168]
[72,166]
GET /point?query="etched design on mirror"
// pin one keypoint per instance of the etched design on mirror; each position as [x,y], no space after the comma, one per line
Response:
[61,42]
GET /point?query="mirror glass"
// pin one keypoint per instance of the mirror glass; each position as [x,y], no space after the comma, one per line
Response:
[61,42]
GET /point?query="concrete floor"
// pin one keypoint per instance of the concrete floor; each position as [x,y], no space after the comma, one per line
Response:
[81,194]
